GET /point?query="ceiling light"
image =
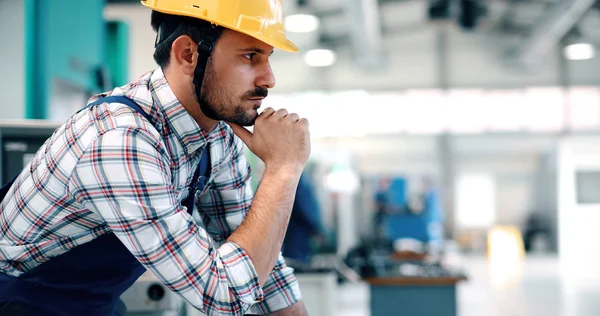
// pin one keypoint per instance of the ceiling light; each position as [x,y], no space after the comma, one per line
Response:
[301,23]
[320,57]
[579,51]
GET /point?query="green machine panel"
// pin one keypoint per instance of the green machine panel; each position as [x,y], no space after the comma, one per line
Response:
[65,42]
[117,52]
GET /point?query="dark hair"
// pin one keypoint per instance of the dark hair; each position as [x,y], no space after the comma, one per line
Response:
[174,26]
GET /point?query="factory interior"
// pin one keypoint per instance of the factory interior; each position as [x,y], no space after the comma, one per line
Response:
[455,162]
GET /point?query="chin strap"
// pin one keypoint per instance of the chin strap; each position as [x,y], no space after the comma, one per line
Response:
[205,47]
[208,38]
[165,30]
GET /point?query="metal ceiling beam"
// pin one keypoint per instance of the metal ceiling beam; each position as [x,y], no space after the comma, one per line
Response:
[365,30]
[555,25]
[341,10]
[337,40]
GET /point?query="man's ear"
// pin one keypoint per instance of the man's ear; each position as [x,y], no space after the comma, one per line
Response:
[184,54]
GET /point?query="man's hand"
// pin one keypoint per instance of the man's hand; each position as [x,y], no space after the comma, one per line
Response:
[297,309]
[280,139]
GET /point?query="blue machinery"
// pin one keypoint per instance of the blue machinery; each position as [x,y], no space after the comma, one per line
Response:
[414,224]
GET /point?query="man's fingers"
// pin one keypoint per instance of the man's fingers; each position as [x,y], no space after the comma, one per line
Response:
[293,117]
[244,134]
[266,113]
[303,121]
[281,113]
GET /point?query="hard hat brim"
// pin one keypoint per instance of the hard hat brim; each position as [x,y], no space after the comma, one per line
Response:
[285,45]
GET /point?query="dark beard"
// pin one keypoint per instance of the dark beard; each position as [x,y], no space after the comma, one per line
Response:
[207,108]
[239,116]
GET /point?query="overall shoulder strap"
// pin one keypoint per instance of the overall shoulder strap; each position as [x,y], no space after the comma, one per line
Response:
[120,99]
[201,176]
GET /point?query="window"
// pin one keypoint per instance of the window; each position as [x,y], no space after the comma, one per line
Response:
[475,201]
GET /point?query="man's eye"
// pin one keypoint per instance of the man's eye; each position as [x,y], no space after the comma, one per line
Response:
[250,55]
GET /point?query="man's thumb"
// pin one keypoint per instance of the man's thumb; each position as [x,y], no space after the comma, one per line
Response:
[244,134]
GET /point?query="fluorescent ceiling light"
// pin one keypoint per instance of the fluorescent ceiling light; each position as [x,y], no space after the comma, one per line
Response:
[320,57]
[579,51]
[301,23]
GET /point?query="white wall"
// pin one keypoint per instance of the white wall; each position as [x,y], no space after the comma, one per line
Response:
[12,59]
[578,225]
[141,36]
[512,160]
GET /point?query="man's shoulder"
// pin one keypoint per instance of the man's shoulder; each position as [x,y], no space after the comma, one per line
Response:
[113,115]
[106,118]
[128,106]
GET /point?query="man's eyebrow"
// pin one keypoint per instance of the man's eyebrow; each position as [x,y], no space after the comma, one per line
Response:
[256,50]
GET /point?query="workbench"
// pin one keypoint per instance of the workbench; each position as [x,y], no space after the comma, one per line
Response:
[413,296]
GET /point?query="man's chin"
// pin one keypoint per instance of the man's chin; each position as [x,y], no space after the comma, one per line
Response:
[243,121]
[248,123]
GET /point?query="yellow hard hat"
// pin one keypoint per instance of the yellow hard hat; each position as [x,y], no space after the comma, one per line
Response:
[261,19]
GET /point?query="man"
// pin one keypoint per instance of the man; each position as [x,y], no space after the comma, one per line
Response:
[101,201]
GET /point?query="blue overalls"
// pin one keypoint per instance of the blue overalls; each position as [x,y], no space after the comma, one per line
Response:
[89,279]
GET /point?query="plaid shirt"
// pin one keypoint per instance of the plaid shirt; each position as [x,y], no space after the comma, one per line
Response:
[107,169]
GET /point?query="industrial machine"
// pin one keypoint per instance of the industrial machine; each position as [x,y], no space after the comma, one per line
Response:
[19,141]
[148,296]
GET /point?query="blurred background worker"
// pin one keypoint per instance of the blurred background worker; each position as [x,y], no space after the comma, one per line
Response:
[382,206]
[305,227]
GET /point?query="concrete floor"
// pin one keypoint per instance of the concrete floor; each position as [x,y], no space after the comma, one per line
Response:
[533,289]
[536,291]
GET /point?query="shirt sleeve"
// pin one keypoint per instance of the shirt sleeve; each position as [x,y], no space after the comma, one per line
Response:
[124,177]
[280,291]
[223,208]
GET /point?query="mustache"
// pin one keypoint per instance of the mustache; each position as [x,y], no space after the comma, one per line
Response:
[257,93]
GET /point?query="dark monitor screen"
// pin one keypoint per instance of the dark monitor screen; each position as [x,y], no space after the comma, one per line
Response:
[19,141]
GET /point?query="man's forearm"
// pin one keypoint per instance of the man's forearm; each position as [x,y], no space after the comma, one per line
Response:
[261,233]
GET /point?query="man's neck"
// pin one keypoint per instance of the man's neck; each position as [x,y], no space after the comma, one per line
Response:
[204,122]
[189,103]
